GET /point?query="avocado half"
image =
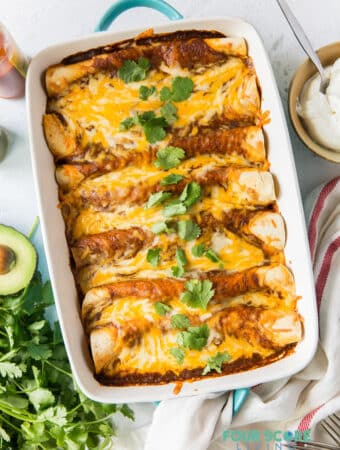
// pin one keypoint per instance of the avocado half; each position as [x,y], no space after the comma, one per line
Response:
[18,260]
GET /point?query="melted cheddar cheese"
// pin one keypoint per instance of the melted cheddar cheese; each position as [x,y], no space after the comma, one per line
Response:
[229,237]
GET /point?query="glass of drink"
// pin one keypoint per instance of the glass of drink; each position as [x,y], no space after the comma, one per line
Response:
[13,67]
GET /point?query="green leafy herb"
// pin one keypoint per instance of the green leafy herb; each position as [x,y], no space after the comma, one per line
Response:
[188,230]
[161,308]
[169,157]
[210,254]
[215,362]
[178,353]
[154,129]
[191,194]
[134,71]
[180,321]
[175,208]
[145,92]
[194,338]
[158,198]
[152,256]
[173,178]
[198,250]
[152,125]
[197,293]
[179,270]
[169,112]
[162,227]
[181,89]
[41,406]
[127,123]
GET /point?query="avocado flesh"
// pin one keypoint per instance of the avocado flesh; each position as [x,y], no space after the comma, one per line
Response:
[22,270]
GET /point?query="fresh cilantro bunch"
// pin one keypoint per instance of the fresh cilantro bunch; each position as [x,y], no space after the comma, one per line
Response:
[41,406]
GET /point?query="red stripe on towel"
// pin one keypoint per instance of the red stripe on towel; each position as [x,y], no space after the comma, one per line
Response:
[306,421]
[312,232]
[324,271]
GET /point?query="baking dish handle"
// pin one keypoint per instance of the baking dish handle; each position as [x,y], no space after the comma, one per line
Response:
[123,5]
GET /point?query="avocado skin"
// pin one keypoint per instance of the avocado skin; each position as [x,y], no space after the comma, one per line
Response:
[25,265]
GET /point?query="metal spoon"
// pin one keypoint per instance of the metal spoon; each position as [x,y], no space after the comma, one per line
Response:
[304,42]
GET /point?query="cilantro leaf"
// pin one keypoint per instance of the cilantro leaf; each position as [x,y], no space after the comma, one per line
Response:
[169,112]
[194,338]
[173,178]
[134,71]
[165,94]
[181,89]
[127,123]
[162,227]
[179,321]
[41,398]
[210,254]
[175,208]
[154,129]
[191,194]
[145,92]
[215,362]
[179,270]
[158,198]
[161,308]
[10,370]
[152,256]
[197,293]
[169,157]
[178,354]
[38,352]
[188,230]
[198,250]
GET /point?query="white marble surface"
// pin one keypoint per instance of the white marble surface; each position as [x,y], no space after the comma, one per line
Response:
[39,23]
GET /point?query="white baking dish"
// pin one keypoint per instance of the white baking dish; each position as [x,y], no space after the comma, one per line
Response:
[282,166]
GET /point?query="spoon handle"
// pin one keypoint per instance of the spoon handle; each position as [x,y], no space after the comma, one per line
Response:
[300,35]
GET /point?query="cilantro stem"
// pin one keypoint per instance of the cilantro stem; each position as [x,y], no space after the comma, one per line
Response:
[11,412]
[97,421]
[33,228]
[59,369]
[10,424]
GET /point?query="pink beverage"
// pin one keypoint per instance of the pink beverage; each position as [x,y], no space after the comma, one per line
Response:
[12,67]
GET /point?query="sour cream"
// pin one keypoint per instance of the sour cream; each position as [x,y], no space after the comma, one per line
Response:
[321,112]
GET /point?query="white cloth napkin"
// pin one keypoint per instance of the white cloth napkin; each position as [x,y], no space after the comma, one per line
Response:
[298,403]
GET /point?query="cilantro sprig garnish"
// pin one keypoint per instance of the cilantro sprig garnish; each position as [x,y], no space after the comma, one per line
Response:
[173,178]
[169,112]
[145,92]
[153,256]
[197,293]
[194,338]
[190,195]
[41,406]
[188,230]
[178,354]
[169,157]
[158,198]
[134,71]
[153,126]
[181,89]
[181,259]
[201,250]
[161,308]
[163,227]
[215,362]
[180,321]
